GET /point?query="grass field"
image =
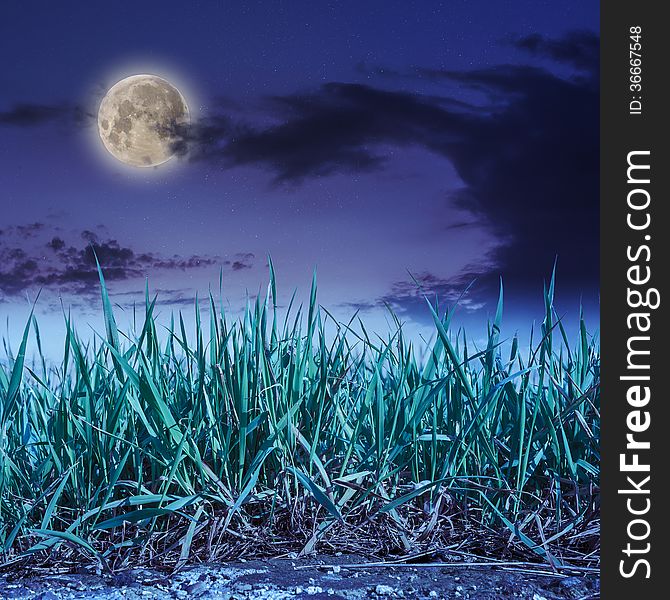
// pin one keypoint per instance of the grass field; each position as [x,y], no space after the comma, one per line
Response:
[264,436]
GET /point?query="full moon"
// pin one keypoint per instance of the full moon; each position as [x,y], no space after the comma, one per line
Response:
[140,118]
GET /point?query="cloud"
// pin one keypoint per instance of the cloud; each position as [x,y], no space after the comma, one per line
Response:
[49,261]
[241,261]
[410,295]
[238,265]
[529,160]
[528,157]
[581,49]
[56,244]
[306,145]
[532,174]
[343,127]
[31,115]
[407,297]
[23,232]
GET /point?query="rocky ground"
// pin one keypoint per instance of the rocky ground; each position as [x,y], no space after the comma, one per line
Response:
[279,579]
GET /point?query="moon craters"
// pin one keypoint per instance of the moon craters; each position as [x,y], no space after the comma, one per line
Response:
[140,119]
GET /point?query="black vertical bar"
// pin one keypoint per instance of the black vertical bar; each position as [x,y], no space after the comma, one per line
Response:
[634,244]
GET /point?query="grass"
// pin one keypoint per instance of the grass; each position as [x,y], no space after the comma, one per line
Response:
[265,436]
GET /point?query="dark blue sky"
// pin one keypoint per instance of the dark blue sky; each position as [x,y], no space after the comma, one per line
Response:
[454,140]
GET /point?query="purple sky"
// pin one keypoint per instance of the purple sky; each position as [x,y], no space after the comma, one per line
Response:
[455,141]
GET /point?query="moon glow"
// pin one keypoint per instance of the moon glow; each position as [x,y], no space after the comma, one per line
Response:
[139,120]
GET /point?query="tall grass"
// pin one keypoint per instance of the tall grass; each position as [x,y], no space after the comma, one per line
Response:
[266,434]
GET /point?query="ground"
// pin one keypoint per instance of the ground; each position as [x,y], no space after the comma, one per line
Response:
[325,578]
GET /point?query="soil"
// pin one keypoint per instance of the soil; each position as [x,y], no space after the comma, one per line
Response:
[328,578]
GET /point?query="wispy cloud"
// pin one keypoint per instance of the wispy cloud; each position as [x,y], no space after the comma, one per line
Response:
[580,49]
[31,115]
[408,297]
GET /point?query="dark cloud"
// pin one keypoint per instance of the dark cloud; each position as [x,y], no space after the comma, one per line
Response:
[338,128]
[30,115]
[528,157]
[529,160]
[26,115]
[532,173]
[56,244]
[581,49]
[407,298]
[164,297]
[238,265]
[462,225]
[23,232]
[89,236]
[241,261]
[72,267]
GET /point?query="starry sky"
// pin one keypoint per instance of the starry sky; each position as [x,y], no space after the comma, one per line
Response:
[382,143]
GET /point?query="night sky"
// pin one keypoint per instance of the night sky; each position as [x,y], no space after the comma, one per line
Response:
[453,142]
